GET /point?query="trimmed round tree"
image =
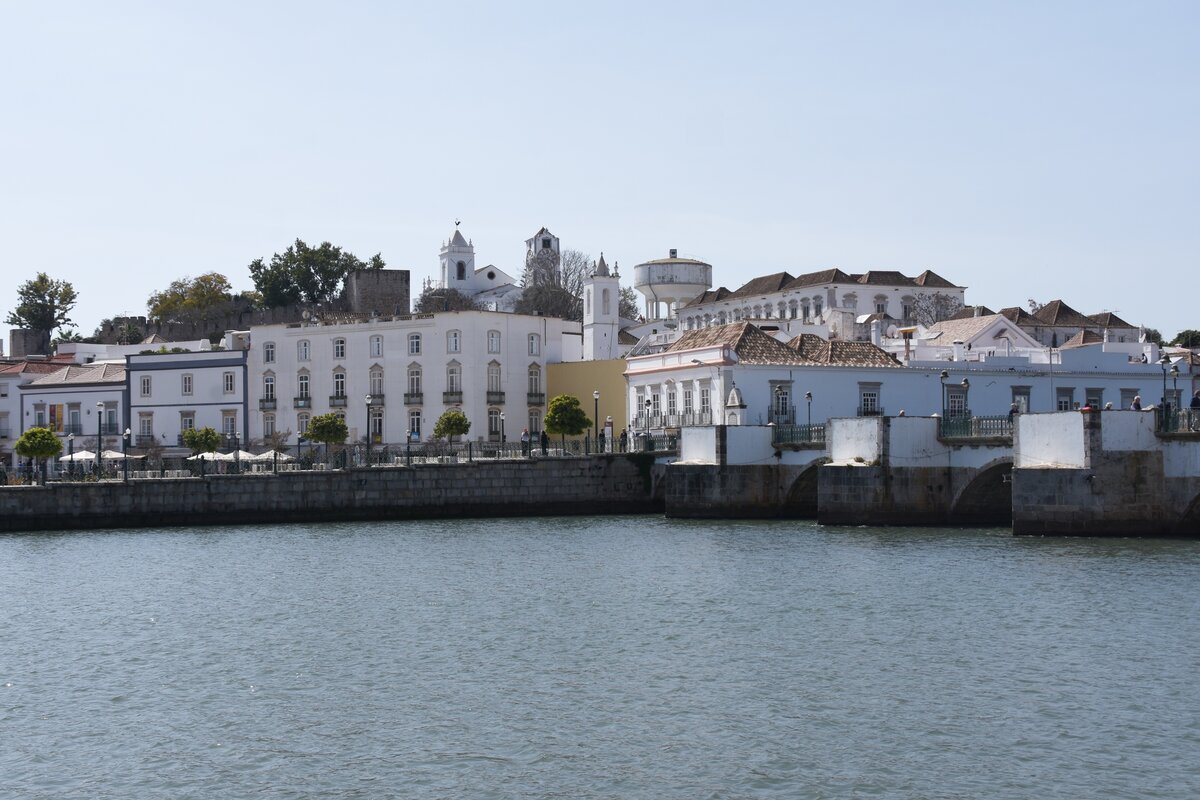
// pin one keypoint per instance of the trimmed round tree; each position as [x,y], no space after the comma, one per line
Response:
[201,440]
[38,444]
[328,429]
[564,416]
[451,423]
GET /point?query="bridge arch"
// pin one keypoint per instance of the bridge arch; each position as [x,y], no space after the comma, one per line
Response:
[987,498]
[801,497]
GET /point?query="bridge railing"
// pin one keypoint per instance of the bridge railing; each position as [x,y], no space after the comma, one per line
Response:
[968,427]
[798,434]
[1182,420]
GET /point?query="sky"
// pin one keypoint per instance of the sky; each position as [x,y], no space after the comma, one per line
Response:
[1023,150]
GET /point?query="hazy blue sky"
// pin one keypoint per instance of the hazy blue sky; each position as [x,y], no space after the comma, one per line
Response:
[1044,150]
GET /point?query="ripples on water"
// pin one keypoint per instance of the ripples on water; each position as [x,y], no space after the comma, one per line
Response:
[596,658]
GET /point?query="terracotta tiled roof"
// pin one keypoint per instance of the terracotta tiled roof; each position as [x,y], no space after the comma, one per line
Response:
[711,296]
[877,277]
[1056,312]
[82,373]
[1108,319]
[818,278]
[31,368]
[931,280]
[840,353]
[764,285]
[966,312]
[625,337]
[751,345]
[1082,338]
[1017,315]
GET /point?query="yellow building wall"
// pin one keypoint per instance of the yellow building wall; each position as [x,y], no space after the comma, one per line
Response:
[581,378]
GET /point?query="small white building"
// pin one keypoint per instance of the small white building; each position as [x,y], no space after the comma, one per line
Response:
[395,376]
[12,377]
[85,404]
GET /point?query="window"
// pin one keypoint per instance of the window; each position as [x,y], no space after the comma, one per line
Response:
[494,422]
[605,302]
[782,398]
[414,344]
[869,402]
[535,421]
[376,346]
[269,353]
[671,408]
[535,380]
[587,301]
[1020,396]
[493,377]
[655,404]
[145,424]
[39,416]
[1063,399]
[1094,397]
[535,344]
[414,380]
[804,310]
[187,421]
[881,307]
[414,425]
[268,387]
[375,425]
[302,386]
[460,270]
[229,423]
[302,423]
[229,382]
[376,382]
[339,348]
[1127,396]
[268,424]
[453,378]
[186,384]
[145,386]
[817,307]
[302,350]
[3,390]
[339,384]
[687,401]
[705,400]
[956,402]
[493,341]
[453,341]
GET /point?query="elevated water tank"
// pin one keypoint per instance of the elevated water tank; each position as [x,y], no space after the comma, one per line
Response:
[671,280]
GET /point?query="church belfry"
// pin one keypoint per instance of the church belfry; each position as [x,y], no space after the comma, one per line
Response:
[601,312]
[457,258]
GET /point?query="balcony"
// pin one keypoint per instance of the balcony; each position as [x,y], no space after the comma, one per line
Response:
[302,402]
[376,400]
[798,434]
[73,428]
[110,429]
[414,398]
[495,398]
[452,398]
[536,398]
[266,404]
[961,425]
[337,400]
[870,411]
[144,440]
[4,432]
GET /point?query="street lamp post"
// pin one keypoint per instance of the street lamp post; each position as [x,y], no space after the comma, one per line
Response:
[125,452]
[367,401]
[237,452]
[71,454]
[943,378]
[808,399]
[1175,386]
[649,404]
[966,386]
[1163,362]
[99,435]
[503,437]
[775,411]
[596,413]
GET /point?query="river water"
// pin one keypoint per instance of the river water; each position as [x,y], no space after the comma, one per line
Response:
[618,657]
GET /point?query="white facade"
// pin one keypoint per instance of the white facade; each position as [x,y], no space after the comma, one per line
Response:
[404,372]
[84,405]
[601,317]
[172,392]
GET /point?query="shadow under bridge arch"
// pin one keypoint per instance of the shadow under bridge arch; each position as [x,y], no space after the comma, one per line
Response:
[986,499]
[801,497]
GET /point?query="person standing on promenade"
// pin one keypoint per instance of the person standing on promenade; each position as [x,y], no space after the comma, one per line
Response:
[1137,403]
[600,442]
[1194,420]
[525,442]
[624,439]
[545,444]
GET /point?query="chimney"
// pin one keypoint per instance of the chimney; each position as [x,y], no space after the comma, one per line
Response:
[674,253]
[876,333]
[978,311]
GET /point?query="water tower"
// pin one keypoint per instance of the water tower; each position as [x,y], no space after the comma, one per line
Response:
[673,281]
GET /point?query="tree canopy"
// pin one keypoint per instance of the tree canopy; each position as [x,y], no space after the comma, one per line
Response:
[931,308]
[304,274]
[39,443]
[202,440]
[1187,338]
[328,429]
[433,300]
[188,299]
[553,284]
[565,416]
[628,307]
[1152,335]
[452,422]
[43,304]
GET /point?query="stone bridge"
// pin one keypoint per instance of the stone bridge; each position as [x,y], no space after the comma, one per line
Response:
[1104,473]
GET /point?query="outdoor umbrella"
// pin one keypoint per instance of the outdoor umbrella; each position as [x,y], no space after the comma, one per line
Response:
[79,455]
[270,455]
[114,455]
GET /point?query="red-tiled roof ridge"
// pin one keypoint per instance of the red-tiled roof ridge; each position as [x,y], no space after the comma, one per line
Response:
[1056,312]
[833,275]
[766,284]
[752,345]
[930,279]
[839,352]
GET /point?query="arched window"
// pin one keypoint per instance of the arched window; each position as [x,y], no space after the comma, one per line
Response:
[414,344]
[302,385]
[414,384]
[494,423]
[817,307]
[302,423]
[587,300]
[493,341]
[493,377]
[453,341]
[804,313]
[268,387]
[339,383]
[460,270]
[339,348]
[454,377]
[376,381]
[414,425]
[302,350]
[605,302]
[535,421]
[535,379]
[721,318]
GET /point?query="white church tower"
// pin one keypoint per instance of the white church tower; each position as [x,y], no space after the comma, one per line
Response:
[458,263]
[601,313]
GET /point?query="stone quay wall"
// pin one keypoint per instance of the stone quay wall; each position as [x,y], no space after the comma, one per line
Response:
[616,484]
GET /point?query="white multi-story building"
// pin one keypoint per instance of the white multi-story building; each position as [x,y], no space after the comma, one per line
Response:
[170,393]
[84,404]
[395,376]
[12,378]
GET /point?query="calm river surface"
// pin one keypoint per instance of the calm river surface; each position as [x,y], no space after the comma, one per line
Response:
[627,657]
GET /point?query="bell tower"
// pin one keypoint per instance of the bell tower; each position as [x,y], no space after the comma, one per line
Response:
[457,258]
[601,312]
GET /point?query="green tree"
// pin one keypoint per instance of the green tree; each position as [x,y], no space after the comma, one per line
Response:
[40,444]
[452,423]
[43,304]
[202,440]
[306,274]
[553,284]
[433,300]
[1152,335]
[564,416]
[628,307]
[189,299]
[328,429]
[1187,338]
